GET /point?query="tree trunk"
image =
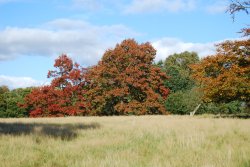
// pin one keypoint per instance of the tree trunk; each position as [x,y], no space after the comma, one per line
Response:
[196,108]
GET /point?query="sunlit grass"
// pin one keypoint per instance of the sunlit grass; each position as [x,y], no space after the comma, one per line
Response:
[125,141]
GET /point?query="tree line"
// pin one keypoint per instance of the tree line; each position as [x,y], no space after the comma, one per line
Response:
[126,81]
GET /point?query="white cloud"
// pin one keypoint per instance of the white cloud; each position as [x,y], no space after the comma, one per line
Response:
[168,46]
[19,82]
[218,6]
[81,40]
[147,6]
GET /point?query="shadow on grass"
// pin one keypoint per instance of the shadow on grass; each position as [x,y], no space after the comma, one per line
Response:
[238,116]
[61,131]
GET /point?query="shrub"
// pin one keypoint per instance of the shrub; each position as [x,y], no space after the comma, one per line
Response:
[234,107]
[183,102]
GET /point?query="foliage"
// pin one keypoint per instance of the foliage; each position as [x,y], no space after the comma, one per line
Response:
[126,82]
[184,97]
[224,76]
[9,102]
[233,107]
[178,82]
[182,61]
[65,95]
[177,68]
[183,102]
[3,90]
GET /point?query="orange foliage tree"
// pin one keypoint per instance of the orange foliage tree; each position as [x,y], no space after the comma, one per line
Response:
[65,95]
[225,76]
[126,82]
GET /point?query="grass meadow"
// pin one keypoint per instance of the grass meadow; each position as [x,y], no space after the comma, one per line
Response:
[129,141]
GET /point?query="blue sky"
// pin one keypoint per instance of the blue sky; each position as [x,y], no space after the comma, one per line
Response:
[34,32]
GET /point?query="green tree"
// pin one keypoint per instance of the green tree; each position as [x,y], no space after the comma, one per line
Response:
[3,90]
[177,68]
[12,99]
[184,97]
[184,102]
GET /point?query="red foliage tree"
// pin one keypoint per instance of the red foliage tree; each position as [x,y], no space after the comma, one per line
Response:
[126,82]
[65,95]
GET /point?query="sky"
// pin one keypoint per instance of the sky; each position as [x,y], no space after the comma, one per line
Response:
[33,33]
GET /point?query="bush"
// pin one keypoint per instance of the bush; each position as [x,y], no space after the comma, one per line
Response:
[234,107]
[183,102]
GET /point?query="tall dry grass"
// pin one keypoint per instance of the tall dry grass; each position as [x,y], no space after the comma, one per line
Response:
[125,141]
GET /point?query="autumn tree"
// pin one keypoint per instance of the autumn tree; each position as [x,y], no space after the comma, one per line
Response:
[126,82]
[64,96]
[225,76]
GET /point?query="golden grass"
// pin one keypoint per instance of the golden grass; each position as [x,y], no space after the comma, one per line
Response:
[169,141]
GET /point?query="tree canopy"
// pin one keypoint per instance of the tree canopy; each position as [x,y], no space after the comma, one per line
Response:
[65,94]
[225,76]
[10,100]
[178,70]
[125,81]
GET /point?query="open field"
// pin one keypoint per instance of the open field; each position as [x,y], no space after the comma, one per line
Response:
[125,141]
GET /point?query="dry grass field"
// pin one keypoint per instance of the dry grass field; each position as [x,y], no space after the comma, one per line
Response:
[153,141]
